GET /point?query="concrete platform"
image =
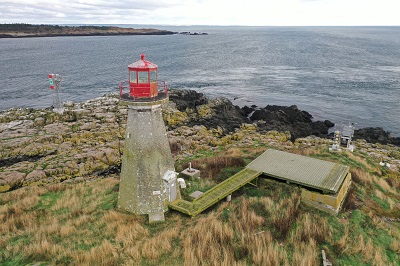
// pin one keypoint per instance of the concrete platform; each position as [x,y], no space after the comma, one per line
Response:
[191,173]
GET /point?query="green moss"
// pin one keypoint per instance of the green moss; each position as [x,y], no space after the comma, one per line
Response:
[17,261]
[109,201]
[341,158]
[353,260]
[227,173]
[48,199]
[225,214]
[4,188]
[383,203]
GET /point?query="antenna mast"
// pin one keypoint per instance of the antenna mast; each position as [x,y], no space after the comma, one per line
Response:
[55,84]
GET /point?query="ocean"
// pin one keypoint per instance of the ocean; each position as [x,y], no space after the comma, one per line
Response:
[344,74]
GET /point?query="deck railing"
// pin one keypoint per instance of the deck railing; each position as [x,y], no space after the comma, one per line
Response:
[125,93]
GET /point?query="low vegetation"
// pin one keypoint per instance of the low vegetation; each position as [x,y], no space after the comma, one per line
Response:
[79,223]
[27,30]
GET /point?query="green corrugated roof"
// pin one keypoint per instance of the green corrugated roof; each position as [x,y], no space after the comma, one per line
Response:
[302,170]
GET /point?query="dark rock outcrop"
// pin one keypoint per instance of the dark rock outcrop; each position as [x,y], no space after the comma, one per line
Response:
[247,110]
[224,115]
[213,113]
[289,118]
[376,135]
[187,99]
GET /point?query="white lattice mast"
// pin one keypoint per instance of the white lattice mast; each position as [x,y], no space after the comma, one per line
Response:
[336,141]
[55,85]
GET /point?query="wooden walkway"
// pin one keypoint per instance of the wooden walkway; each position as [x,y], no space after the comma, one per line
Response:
[216,193]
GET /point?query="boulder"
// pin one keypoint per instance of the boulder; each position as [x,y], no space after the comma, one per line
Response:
[13,178]
[35,175]
[222,114]
[247,110]
[376,135]
[289,118]
[185,99]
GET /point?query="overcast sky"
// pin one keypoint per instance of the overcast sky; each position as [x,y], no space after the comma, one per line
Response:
[203,12]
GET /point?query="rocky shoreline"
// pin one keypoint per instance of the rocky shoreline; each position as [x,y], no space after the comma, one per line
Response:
[39,146]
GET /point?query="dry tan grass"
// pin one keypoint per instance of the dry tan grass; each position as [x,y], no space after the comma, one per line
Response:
[307,151]
[360,160]
[14,219]
[393,180]
[233,152]
[56,187]
[73,202]
[394,233]
[361,177]
[22,194]
[341,246]
[208,241]
[68,229]
[379,194]
[264,204]
[306,254]
[74,227]
[265,252]
[246,219]
[134,255]
[126,229]
[384,184]
[50,227]
[395,246]
[379,258]
[285,215]
[361,246]
[212,166]
[377,221]
[311,227]
[43,248]
[160,244]
[105,254]
[82,220]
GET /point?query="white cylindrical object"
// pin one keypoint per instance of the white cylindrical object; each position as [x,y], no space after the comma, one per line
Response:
[181,182]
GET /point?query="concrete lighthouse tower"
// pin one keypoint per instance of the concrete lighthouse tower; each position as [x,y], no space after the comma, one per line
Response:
[148,178]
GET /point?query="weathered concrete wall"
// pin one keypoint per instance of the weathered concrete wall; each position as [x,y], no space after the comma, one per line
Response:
[147,156]
[330,203]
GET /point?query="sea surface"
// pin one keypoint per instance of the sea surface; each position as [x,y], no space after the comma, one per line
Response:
[344,74]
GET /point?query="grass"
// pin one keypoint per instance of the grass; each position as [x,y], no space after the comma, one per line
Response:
[79,224]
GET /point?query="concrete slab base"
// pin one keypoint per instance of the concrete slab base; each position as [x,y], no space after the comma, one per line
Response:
[196,194]
[156,217]
[191,173]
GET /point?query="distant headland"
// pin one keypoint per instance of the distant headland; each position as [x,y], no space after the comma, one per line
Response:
[20,30]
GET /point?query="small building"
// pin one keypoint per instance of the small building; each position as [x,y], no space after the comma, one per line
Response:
[324,184]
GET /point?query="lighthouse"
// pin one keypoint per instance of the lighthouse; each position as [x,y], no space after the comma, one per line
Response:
[148,177]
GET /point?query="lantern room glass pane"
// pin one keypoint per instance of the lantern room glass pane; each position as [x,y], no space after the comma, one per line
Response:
[143,77]
[133,77]
[153,76]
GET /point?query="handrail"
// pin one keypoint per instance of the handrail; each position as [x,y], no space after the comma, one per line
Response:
[126,95]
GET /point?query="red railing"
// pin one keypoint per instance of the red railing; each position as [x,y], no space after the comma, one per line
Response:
[125,93]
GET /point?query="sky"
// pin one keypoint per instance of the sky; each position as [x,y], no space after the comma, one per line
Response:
[204,12]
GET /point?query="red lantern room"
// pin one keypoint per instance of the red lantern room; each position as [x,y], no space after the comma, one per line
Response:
[143,79]
[143,82]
